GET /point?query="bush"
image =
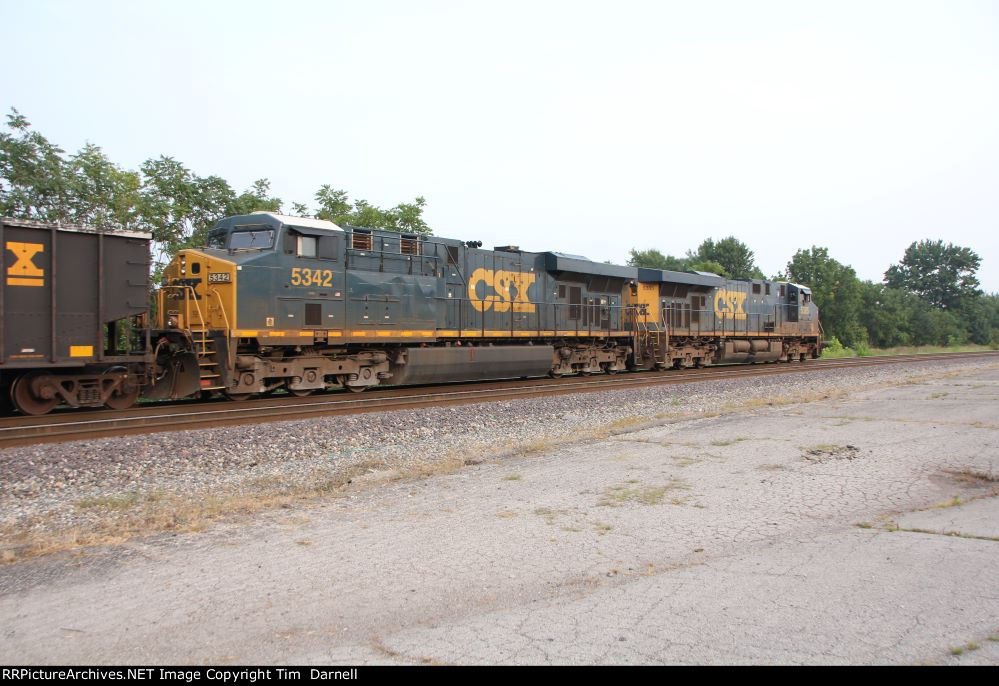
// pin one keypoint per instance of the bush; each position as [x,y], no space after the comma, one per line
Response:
[835,349]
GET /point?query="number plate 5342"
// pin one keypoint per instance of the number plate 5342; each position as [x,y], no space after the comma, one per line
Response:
[302,276]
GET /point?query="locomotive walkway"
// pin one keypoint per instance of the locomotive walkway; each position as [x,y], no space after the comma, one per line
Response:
[68,425]
[860,529]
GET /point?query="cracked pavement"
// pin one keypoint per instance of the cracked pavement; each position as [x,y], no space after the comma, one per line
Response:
[857,530]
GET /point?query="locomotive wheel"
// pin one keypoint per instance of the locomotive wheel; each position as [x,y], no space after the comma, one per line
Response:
[121,401]
[300,393]
[25,400]
[238,397]
[355,389]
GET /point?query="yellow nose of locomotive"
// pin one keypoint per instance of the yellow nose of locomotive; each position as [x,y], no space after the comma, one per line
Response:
[198,293]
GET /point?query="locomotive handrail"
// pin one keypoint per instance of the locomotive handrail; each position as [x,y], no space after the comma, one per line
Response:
[185,289]
[624,323]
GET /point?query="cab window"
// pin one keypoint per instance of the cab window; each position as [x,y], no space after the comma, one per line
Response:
[216,239]
[307,246]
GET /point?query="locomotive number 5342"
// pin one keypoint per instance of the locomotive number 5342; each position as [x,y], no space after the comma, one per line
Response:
[301,276]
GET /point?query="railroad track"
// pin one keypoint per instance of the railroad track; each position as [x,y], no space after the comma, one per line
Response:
[84,424]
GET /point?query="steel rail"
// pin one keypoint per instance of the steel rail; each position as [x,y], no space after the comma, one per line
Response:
[67,426]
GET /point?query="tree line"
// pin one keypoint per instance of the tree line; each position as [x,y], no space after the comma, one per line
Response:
[930,297]
[163,197]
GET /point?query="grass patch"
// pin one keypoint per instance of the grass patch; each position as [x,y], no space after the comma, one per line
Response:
[616,496]
[838,351]
[117,501]
[627,423]
[602,528]
[124,516]
[512,477]
[953,502]
[535,447]
[732,441]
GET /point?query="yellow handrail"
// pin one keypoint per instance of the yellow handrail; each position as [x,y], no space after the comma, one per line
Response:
[228,331]
[186,290]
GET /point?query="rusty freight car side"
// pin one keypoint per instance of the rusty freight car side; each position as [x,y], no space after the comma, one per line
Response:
[65,294]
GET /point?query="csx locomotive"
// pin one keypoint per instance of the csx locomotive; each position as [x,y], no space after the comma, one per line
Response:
[277,302]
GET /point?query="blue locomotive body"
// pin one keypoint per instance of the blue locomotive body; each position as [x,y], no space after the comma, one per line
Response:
[275,301]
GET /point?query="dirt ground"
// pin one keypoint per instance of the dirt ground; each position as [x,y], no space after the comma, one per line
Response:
[856,530]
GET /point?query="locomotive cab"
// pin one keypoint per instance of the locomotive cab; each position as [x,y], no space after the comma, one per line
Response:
[799,303]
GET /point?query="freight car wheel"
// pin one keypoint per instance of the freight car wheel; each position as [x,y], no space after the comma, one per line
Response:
[301,393]
[25,396]
[122,401]
[356,389]
[238,397]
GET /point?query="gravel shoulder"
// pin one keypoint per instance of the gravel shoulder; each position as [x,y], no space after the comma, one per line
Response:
[61,496]
[821,519]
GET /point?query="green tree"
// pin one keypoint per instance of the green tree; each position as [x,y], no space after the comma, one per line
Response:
[101,194]
[335,206]
[942,274]
[886,314]
[653,259]
[164,197]
[709,266]
[836,290]
[34,176]
[735,257]
[178,207]
[255,199]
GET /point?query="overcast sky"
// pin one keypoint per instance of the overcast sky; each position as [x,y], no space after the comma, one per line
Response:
[588,128]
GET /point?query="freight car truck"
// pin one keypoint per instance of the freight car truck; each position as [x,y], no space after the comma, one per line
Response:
[72,301]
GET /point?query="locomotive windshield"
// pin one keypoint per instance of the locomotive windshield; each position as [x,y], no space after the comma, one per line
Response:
[251,238]
[246,237]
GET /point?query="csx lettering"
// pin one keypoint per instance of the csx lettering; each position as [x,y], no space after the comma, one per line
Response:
[730,304]
[24,272]
[303,276]
[509,290]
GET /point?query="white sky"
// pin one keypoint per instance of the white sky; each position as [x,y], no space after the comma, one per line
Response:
[584,127]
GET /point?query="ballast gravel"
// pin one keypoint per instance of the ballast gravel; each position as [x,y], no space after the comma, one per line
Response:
[49,485]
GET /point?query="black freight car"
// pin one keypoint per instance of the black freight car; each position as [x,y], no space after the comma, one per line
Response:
[72,305]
